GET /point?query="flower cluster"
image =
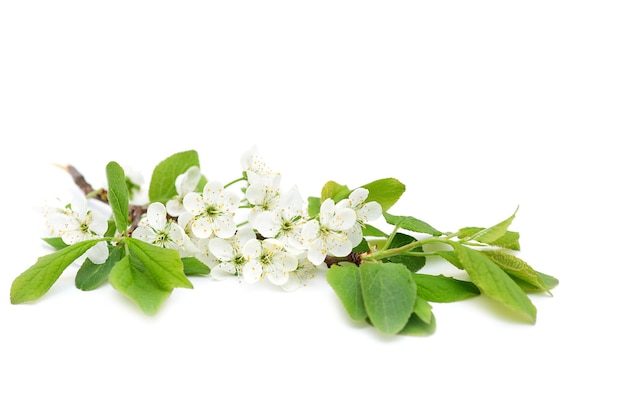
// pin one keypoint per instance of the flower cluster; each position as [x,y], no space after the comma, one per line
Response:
[256,232]
[277,241]
[75,223]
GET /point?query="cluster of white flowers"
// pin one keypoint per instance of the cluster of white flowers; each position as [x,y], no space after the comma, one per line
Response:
[277,240]
[75,223]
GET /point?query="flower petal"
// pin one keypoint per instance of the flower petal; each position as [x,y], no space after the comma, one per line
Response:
[224,226]
[145,234]
[98,253]
[343,219]
[252,271]
[157,215]
[222,249]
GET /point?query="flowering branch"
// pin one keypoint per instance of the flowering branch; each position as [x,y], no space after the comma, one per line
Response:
[193,226]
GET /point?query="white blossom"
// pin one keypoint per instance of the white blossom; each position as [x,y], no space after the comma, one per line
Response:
[365,212]
[267,259]
[185,183]
[254,165]
[329,235]
[77,223]
[264,195]
[212,210]
[159,231]
[304,272]
[228,253]
[285,222]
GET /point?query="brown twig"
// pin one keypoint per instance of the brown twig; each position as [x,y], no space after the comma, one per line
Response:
[135,212]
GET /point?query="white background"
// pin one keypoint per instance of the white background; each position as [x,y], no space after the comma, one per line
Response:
[477,106]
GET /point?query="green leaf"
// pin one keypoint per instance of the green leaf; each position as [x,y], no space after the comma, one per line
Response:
[516,267]
[411,223]
[55,242]
[314,204]
[110,228]
[132,187]
[494,282]
[130,277]
[334,191]
[90,276]
[417,327]
[118,195]
[492,234]
[148,274]
[548,280]
[423,310]
[413,263]
[162,184]
[162,264]
[372,231]
[386,192]
[510,240]
[451,257]
[37,280]
[442,289]
[345,280]
[389,294]
[361,247]
[194,266]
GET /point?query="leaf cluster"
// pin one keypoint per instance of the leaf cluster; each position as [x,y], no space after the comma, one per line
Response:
[386,290]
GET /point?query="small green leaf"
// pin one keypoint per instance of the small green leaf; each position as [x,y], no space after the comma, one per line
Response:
[417,327]
[163,265]
[548,280]
[361,247]
[389,294]
[37,280]
[386,192]
[510,240]
[130,277]
[442,289]
[91,276]
[314,204]
[516,267]
[413,263]
[162,184]
[55,242]
[451,257]
[372,231]
[193,266]
[334,191]
[110,228]
[132,187]
[345,280]
[492,234]
[422,309]
[494,282]
[118,195]
[411,223]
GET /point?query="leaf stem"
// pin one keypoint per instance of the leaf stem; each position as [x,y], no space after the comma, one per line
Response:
[235,181]
[406,249]
[390,237]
